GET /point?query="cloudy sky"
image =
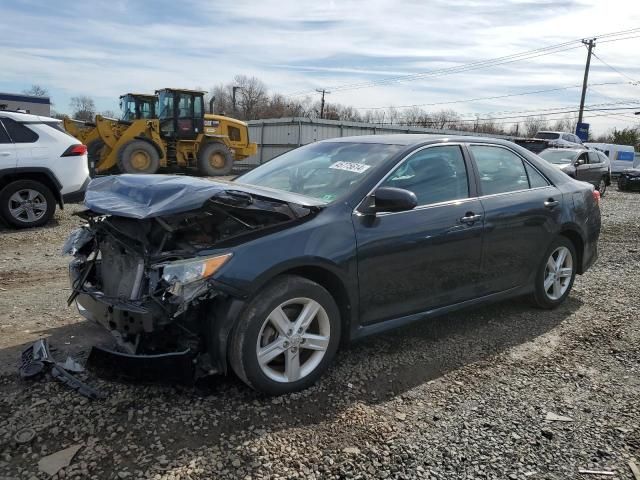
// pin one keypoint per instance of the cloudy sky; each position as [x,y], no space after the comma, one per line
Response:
[105,48]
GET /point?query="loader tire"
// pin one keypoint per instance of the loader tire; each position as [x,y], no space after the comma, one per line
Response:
[94,152]
[215,159]
[138,156]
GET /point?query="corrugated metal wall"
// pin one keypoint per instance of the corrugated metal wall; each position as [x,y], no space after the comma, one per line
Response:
[279,135]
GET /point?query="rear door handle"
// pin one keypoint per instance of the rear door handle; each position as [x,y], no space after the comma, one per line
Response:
[551,203]
[470,218]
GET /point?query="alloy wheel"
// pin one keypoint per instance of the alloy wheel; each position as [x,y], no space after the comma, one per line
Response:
[558,273]
[602,187]
[293,340]
[27,205]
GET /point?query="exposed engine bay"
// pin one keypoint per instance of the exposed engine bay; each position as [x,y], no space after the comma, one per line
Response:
[148,279]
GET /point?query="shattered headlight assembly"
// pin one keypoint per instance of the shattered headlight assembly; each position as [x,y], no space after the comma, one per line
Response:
[185,272]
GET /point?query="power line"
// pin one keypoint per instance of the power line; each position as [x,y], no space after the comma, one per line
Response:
[476,65]
[467,100]
[615,69]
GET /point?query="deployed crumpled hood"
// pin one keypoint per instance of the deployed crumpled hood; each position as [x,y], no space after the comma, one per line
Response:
[147,196]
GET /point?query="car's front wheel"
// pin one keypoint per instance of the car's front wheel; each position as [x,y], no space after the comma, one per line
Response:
[286,337]
[556,274]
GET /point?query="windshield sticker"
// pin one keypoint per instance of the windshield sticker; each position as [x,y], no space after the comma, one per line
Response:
[351,167]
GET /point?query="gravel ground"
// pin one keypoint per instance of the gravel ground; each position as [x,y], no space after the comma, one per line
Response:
[463,396]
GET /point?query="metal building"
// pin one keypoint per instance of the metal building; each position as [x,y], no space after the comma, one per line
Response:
[28,103]
[278,135]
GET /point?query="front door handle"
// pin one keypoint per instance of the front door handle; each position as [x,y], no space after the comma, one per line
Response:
[470,218]
[5,154]
[551,203]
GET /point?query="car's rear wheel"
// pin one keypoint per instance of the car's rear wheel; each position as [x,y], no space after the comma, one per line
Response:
[602,186]
[286,337]
[27,203]
[556,274]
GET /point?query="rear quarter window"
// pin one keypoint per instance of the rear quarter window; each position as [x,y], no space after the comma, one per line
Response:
[18,132]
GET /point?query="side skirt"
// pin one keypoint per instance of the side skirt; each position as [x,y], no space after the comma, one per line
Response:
[366,330]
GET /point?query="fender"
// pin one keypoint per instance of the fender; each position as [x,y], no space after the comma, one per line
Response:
[227,312]
[17,173]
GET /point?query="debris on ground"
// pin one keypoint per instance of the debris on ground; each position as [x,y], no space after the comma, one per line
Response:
[596,472]
[24,435]
[37,358]
[553,417]
[52,464]
[635,470]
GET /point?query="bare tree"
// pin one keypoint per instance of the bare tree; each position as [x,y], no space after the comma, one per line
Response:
[533,125]
[252,95]
[83,108]
[36,91]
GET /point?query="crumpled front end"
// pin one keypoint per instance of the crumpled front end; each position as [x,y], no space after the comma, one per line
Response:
[150,281]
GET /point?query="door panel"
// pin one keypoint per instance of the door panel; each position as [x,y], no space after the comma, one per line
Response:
[428,257]
[413,261]
[518,228]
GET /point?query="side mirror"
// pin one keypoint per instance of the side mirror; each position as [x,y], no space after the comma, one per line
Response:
[579,162]
[391,199]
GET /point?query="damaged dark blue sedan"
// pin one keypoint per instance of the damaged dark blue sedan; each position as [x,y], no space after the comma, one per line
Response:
[266,275]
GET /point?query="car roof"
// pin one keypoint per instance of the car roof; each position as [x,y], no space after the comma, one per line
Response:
[26,117]
[572,149]
[407,139]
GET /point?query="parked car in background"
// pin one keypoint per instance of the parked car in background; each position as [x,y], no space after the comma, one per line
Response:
[40,165]
[339,239]
[586,165]
[629,179]
[559,139]
[621,157]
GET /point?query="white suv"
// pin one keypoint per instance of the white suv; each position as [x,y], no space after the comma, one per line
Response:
[559,139]
[40,165]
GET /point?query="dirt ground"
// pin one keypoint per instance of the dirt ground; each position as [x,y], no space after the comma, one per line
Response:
[463,396]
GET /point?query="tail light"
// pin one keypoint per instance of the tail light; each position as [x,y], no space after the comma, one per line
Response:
[75,151]
[596,197]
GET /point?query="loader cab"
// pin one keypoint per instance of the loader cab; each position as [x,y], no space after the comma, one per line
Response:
[181,113]
[134,106]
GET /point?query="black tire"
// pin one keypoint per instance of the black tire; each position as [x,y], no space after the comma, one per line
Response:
[215,159]
[602,187]
[138,156]
[243,354]
[44,196]
[94,150]
[540,297]
[620,184]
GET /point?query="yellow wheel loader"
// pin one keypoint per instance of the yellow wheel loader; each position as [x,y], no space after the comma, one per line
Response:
[182,137]
[133,106]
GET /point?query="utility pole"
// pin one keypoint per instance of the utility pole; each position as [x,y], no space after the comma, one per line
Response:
[591,43]
[323,92]
[233,98]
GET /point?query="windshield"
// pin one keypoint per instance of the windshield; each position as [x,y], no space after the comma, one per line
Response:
[165,105]
[558,156]
[147,108]
[547,135]
[321,170]
[127,108]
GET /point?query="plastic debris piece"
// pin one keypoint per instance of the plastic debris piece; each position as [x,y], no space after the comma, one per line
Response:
[70,365]
[635,470]
[553,417]
[24,435]
[52,464]
[596,472]
[72,382]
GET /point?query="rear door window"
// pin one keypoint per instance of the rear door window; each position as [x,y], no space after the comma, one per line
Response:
[500,170]
[536,179]
[18,132]
[594,158]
